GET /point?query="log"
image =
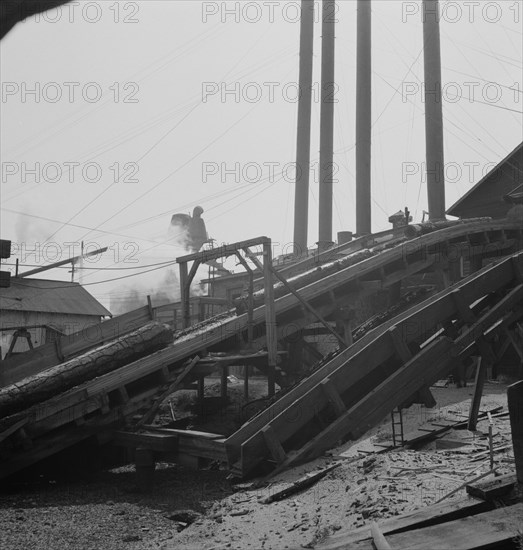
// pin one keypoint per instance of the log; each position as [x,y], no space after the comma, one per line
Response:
[304,279]
[44,385]
[419,229]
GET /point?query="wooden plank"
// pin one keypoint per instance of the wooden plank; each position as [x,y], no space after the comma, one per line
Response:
[151,413]
[222,251]
[270,317]
[379,540]
[423,517]
[301,412]
[493,488]
[189,433]
[301,484]
[13,428]
[373,406]
[485,530]
[152,441]
[273,444]
[515,407]
[478,392]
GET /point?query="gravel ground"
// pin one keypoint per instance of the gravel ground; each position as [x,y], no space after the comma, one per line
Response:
[75,509]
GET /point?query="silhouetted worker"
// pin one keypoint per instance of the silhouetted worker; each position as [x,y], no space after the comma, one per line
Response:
[190,231]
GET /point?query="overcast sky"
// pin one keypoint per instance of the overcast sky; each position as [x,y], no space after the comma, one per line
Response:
[116,115]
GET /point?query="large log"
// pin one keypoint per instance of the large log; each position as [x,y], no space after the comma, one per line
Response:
[419,229]
[303,279]
[44,385]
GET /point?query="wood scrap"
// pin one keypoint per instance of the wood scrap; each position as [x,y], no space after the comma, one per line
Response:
[379,540]
[454,491]
[493,488]
[302,483]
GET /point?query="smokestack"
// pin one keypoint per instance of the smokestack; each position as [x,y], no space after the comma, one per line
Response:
[433,111]
[363,118]
[326,123]
[303,141]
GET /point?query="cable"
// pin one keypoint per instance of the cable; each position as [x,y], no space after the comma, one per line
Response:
[99,282]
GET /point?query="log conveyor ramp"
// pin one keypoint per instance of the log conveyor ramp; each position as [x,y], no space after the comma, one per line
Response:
[342,398]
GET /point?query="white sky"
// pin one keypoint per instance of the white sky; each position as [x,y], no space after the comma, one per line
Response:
[163,60]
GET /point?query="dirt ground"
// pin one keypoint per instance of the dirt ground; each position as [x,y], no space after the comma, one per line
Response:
[77,509]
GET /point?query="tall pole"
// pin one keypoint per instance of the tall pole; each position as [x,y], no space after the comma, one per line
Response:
[303,141]
[328,98]
[363,118]
[433,111]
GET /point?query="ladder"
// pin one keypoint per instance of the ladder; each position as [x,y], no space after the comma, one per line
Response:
[397,427]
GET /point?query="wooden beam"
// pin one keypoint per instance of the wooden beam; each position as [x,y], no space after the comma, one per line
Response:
[379,540]
[515,407]
[151,413]
[493,488]
[270,317]
[222,251]
[13,428]
[478,392]
[185,295]
[310,309]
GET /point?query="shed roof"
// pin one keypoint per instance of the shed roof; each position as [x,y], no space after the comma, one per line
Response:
[49,296]
[507,161]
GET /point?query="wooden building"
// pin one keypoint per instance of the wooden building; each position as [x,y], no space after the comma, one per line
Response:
[43,308]
[487,197]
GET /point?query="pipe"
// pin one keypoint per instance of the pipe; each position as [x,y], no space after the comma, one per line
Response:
[303,140]
[433,111]
[327,123]
[363,118]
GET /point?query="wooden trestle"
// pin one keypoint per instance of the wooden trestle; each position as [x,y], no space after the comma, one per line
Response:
[343,398]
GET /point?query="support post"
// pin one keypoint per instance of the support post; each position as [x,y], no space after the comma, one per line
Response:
[478,392]
[515,408]
[327,124]
[363,118]
[250,303]
[433,111]
[185,295]
[303,142]
[270,317]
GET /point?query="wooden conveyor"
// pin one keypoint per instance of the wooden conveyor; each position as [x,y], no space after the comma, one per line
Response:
[99,406]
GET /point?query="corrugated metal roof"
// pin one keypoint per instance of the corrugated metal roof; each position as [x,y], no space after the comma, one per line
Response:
[49,296]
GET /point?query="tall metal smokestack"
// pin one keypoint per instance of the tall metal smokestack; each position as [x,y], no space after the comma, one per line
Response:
[303,141]
[327,123]
[433,111]
[363,118]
